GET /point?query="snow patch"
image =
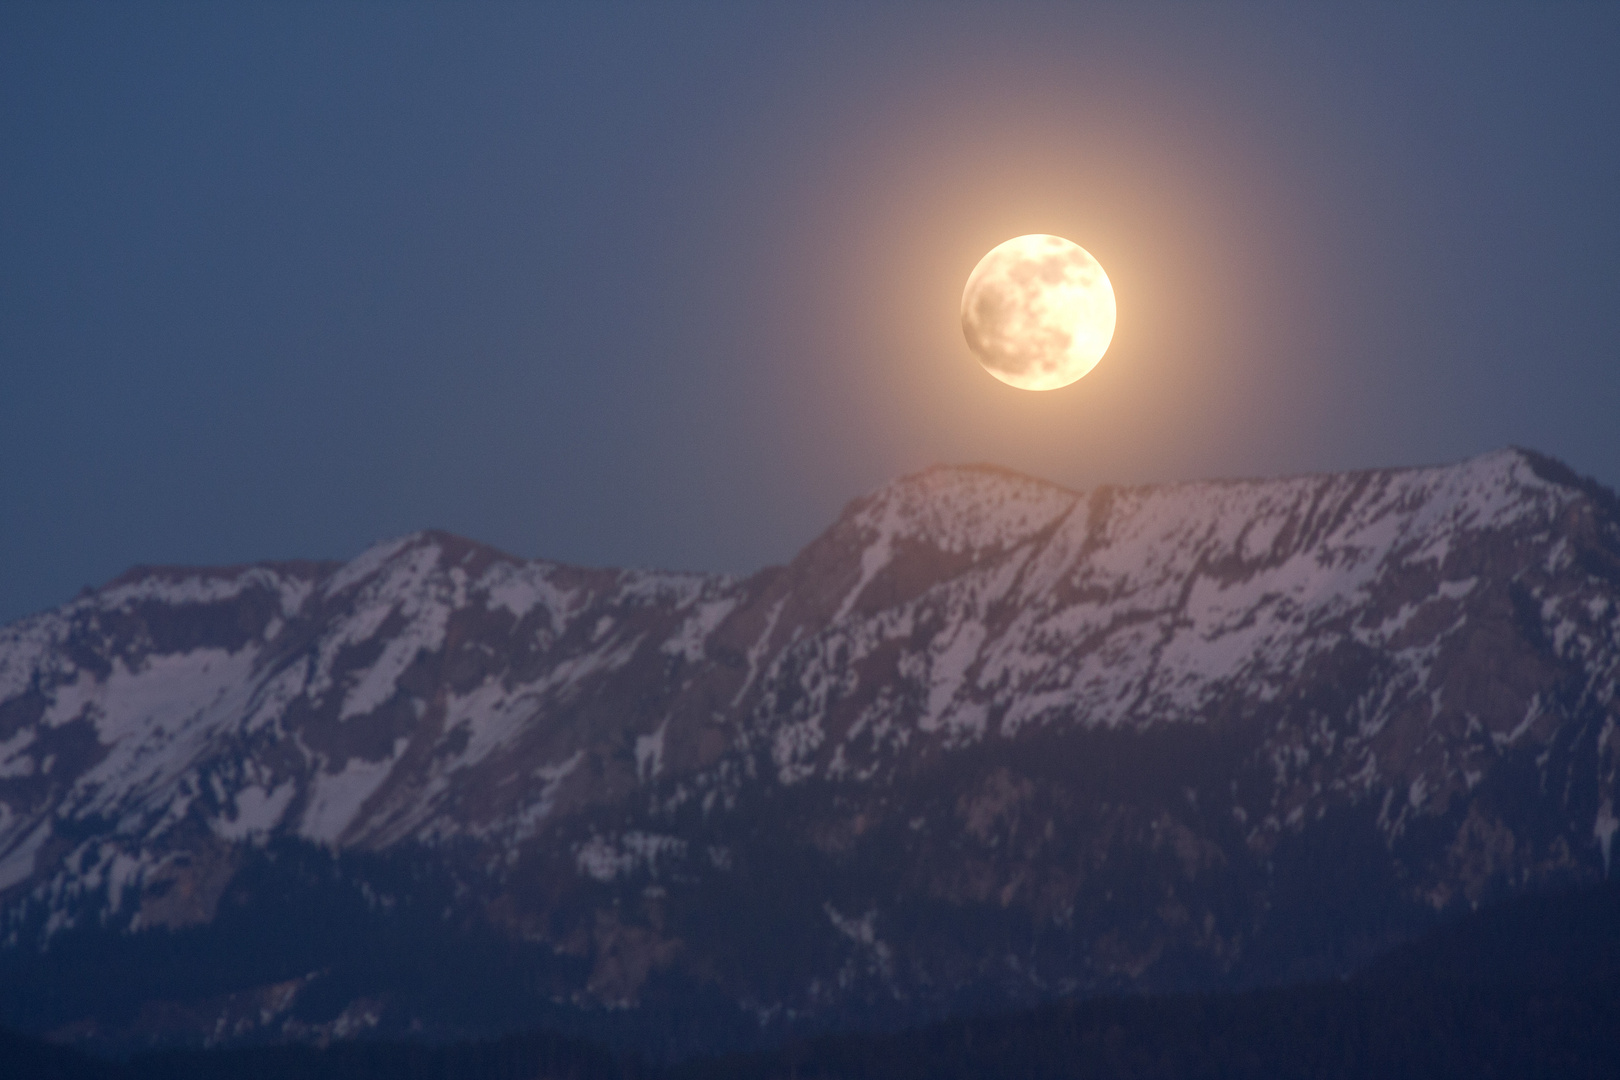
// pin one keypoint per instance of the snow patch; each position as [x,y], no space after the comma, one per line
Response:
[1604,829]
[688,642]
[258,811]
[17,864]
[336,798]
[522,587]
[365,564]
[605,860]
[650,752]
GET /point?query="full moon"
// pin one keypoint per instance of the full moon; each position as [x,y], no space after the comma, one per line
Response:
[1038,312]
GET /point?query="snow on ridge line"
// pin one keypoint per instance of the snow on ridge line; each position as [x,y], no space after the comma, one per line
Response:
[679,587]
[1500,462]
[957,510]
[970,507]
[194,587]
[366,563]
[974,508]
[521,587]
[963,509]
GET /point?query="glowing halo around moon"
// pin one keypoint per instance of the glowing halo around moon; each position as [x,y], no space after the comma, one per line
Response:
[1038,312]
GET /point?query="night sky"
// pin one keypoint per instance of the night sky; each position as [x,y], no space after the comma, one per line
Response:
[668,286]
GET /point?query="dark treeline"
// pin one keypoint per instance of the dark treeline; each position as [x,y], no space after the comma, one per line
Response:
[1529,989]
[1323,1033]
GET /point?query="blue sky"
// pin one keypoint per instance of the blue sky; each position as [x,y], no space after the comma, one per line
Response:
[660,286]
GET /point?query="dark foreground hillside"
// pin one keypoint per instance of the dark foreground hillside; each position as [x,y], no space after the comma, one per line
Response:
[1525,989]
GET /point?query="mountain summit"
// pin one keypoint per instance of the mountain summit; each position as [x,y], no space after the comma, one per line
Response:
[984,742]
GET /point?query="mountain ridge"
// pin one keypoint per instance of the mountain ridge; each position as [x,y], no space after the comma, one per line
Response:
[994,738]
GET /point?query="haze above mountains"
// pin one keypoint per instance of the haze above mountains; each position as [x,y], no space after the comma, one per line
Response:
[983,743]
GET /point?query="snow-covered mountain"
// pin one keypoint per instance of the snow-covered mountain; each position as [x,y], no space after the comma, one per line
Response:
[984,741]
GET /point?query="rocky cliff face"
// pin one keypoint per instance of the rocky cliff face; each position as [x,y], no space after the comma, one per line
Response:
[983,742]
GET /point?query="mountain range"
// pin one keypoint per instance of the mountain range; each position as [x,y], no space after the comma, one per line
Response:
[985,743]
